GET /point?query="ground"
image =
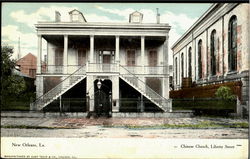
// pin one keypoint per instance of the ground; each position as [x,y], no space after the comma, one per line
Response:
[198,127]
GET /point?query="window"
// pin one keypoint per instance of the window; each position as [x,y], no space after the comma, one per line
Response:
[232,44]
[190,62]
[81,57]
[182,66]
[75,17]
[131,57]
[32,73]
[59,57]
[213,53]
[152,58]
[199,59]
[176,70]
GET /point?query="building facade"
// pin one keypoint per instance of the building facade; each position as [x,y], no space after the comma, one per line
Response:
[215,49]
[107,62]
[27,65]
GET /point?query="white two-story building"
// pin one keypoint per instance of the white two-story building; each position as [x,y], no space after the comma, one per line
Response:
[105,64]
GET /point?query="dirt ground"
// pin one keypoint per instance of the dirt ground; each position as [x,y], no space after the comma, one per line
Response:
[116,128]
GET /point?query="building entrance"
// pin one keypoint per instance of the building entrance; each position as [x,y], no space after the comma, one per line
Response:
[103,97]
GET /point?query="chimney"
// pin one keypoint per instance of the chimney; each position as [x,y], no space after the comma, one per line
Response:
[157,16]
[57,16]
[45,59]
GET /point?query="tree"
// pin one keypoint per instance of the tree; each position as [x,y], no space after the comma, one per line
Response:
[12,85]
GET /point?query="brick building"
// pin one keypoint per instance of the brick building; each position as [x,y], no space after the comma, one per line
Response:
[215,49]
[27,65]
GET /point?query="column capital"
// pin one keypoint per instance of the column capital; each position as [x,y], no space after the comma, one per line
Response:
[91,36]
[142,37]
[117,36]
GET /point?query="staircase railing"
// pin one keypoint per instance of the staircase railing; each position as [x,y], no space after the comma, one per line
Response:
[62,86]
[162,102]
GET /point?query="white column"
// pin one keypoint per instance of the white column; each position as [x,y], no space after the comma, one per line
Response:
[142,50]
[39,54]
[65,54]
[165,80]
[91,56]
[115,94]
[90,90]
[117,49]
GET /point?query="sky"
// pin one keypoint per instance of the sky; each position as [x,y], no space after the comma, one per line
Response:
[18,19]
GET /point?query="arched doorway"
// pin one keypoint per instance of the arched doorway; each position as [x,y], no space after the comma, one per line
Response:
[103,97]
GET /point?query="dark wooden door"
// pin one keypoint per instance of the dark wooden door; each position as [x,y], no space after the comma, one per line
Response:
[106,59]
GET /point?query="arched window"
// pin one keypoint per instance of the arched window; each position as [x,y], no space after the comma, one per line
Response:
[213,53]
[199,59]
[182,66]
[232,44]
[190,62]
[176,70]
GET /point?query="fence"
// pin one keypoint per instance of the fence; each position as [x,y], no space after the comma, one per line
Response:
[135,105]
[67,105]
[207,91]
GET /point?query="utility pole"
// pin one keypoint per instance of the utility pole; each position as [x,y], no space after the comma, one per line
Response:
[19,50]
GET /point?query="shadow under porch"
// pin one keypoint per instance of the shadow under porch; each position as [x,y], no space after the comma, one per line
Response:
[131,100]
[74,100]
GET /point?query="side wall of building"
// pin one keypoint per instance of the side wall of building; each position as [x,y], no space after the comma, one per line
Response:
[217,21]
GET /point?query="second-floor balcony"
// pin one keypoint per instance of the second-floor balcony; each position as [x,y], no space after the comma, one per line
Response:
[105,68]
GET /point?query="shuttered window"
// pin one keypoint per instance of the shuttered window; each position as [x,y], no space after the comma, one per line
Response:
[131,57]
[152,58]
[81,57]
[59,57]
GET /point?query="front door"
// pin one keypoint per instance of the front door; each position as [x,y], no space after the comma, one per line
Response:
[103,98]
[106,59]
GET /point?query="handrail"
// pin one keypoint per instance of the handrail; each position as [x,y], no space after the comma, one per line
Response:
[58,84]
[143,83]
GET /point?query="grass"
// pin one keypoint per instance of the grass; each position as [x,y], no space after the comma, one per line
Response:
[201,125]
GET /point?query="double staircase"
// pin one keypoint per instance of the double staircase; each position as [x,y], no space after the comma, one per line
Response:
[73,79]
[60,89]
[144,89]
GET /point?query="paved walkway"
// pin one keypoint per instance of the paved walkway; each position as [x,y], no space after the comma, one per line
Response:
[82,127]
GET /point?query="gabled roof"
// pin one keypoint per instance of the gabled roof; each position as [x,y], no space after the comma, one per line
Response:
[75,10]
[78,12]
[134,13]
[29,54]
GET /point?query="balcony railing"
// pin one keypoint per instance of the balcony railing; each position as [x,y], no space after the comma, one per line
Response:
[100,67]
[106,68]
[55,69]
[156,70]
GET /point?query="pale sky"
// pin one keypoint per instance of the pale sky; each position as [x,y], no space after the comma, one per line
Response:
[18,19]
